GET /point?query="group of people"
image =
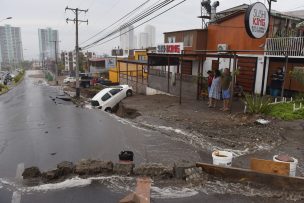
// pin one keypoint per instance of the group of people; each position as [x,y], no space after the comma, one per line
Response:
[219,85]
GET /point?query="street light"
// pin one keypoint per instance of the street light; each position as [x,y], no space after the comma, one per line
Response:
[8,18]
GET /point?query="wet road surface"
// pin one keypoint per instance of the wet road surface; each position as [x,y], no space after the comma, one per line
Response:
[36,129]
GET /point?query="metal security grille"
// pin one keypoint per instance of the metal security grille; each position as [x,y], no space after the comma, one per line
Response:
[291,46]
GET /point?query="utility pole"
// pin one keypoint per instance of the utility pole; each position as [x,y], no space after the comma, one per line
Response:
[76,21]
[56,62]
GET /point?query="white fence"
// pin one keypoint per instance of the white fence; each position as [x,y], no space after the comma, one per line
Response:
[293,46]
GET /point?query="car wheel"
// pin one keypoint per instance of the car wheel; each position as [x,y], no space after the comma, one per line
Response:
[129,93]
[109,110]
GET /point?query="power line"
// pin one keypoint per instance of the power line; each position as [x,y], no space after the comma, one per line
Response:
[126,15]
[134,20]
[137,25]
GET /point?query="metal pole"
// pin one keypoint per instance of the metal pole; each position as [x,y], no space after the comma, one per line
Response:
[76,21]
[233,80]
[77,57]
[56,64]
[286,69]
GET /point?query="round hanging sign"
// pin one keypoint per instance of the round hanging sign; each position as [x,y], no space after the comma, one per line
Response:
[257,20]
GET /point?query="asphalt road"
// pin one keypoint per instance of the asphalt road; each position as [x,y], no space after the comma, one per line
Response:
[36,130]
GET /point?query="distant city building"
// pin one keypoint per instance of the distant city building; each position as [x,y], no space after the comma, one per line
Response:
[69,59]
[135,42]
[151,31]
[11,51]
[143,40]
[46,43]
[127,38]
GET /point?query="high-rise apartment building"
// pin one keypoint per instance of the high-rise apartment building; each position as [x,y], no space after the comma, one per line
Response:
[143,40]
[127,38]
[46,43]
[11,51]
[151,31]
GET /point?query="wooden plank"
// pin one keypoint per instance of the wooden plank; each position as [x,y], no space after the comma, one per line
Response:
[141,194]
[245,175]
[143,189]
[269,166]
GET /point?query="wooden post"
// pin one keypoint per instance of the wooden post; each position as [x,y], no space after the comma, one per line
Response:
[136,78]
[180,80]
[198,79]
[285,73]
[148,71]
[127,73]
[233,80]
[168,75]
[118,76]
[142,74]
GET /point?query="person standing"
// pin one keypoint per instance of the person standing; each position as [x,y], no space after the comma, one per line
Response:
[210,78]
[226,84]
[209,81]
[276,83]
[215,90]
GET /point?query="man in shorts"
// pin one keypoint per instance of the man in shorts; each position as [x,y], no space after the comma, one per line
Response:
[226,83]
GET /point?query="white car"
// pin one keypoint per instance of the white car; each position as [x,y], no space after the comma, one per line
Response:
[108,98]
[69,80]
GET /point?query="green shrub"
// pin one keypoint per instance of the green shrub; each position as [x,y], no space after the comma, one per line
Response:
[18,77]
[257,104]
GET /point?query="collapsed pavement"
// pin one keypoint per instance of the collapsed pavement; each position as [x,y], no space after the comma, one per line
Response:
[182,174]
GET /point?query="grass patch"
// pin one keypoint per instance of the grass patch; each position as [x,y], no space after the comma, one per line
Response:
[19,77]
[285,111]
[3,89]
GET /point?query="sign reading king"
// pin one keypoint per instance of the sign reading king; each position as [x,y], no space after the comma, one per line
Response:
[257,20]
[170,48]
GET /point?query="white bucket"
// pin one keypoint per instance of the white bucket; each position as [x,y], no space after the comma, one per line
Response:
[222,158]
[292,165]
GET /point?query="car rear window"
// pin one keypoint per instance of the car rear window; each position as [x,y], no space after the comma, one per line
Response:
[106,97]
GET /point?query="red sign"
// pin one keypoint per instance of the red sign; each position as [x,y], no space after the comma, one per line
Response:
[170,48]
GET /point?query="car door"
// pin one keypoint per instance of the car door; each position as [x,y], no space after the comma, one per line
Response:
[117,96]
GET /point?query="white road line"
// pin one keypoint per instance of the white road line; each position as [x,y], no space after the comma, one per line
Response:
[19,171]
[16,197]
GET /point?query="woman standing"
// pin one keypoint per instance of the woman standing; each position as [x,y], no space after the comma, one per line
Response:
[215,90]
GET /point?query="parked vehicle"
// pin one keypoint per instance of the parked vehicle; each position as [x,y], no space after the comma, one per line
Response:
[106,82]
[109,97]
[68,80]
[85,81]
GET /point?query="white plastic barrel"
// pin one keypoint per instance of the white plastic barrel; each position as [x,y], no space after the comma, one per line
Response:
[222,158]
[292,165]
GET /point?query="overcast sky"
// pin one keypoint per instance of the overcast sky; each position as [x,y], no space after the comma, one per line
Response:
[33,14]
